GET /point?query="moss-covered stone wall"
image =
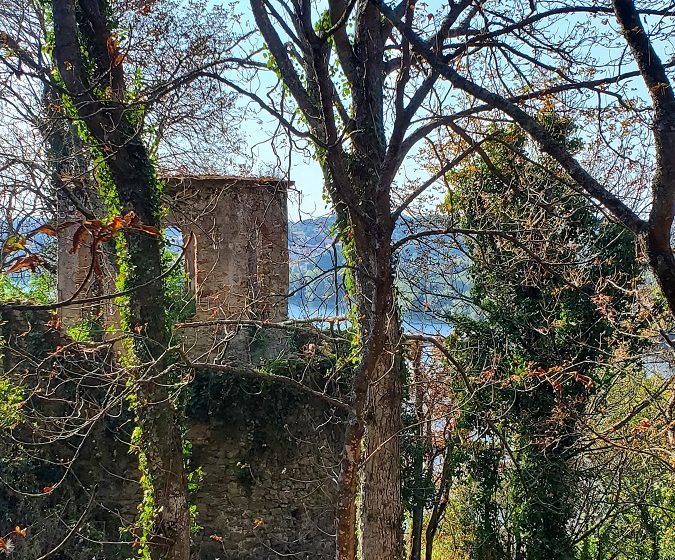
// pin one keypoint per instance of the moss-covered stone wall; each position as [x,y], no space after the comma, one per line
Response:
[265,458]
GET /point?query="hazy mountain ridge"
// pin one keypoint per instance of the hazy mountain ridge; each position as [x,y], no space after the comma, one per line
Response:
[314,255]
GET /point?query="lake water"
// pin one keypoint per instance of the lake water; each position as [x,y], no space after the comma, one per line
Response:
[412,323]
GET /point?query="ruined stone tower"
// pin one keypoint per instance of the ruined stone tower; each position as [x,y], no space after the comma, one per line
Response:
[269,458]
[235,230]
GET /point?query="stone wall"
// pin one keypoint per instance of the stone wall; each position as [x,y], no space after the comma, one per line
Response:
[270,462]
[269,458]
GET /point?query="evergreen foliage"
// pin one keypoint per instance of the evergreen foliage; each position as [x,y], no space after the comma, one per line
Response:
[549,288]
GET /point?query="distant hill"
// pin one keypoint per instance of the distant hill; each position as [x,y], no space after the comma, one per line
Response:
[430,270]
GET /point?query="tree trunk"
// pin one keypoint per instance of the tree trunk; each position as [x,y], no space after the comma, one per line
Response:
[157,418]
[659,249]
[441,503]
[381,512]
[116,135]
[419,458]
[379,392]
[416,532]
[348,488]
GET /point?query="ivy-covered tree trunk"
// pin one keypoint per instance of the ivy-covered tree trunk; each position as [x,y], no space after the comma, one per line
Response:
[372,446]
[537,346]
[89,64]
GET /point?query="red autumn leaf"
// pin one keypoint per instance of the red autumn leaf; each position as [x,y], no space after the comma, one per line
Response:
[216,538]
[47,489]
[45,229]
[31,261]
[78,238]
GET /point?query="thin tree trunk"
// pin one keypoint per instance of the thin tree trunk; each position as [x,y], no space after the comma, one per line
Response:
[416,532]
[419,457]
[441,504]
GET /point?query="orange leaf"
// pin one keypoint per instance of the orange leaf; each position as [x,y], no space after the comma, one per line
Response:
[117,223]
[216,538]
[47,489]
[149,230]
[31,261]
[135,223]
[78,238]
[19,531]
[45,229]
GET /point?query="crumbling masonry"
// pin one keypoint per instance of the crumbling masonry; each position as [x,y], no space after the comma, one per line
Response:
[269,458]
[235,230]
